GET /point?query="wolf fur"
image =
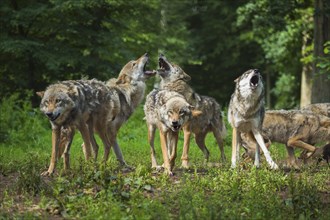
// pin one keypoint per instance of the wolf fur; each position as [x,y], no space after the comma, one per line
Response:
[318,108]
[168,111]
[130,86]
[173,78]
[246,113]
[123,96]
[296,128]
[71,104]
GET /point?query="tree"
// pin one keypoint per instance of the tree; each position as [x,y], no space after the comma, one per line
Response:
[46,41]
[321,83]
[281,28]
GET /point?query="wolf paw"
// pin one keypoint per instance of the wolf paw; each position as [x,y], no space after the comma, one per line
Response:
[273,166]
[185,164]
[46,173]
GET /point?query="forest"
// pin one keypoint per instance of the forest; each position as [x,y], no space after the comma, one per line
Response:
[213,41]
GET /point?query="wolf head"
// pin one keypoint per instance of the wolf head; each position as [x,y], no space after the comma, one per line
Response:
[171,72]
[56,104]
[176,112]
[135,70]
[250,81]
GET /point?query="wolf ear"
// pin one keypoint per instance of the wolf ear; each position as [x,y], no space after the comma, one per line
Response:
[122,79]
[185,77]
[41,94]
[237,79]
[196,113]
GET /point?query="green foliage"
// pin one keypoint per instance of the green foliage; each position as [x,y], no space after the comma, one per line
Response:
[18,119]
[281,38]
[323,63]
[43,42]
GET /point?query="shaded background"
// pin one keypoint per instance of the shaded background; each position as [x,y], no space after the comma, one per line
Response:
[43,42]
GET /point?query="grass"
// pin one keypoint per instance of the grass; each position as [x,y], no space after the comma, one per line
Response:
[94,190]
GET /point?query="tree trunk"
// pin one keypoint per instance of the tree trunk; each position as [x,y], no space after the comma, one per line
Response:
[306,75]
[321,84]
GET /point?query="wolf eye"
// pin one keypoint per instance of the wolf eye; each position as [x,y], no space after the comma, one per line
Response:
[169,112]
[45,102]
[58,100]
[134,63]
[182,112]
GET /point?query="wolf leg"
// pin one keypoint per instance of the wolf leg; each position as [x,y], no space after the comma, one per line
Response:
[86,138]
[200,141]
[186,145]
[217,135]
[235,147]
[119,154]
[163,142]
[151,140]
[291,160]
[56,137]
[66,153]
[263,147]
[173,136]
[257,156]
[296,142]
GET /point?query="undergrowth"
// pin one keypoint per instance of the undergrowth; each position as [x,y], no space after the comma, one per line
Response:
[98,190]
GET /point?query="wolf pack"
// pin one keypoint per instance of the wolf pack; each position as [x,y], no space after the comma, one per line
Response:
[97,107]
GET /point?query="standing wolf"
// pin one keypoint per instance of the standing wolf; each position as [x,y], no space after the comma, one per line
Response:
[71,104]
[117,101]
[168,111]
[130,86]
[246,113]
[173,78]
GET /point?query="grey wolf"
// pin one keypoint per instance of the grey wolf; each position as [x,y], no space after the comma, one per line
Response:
[246,113]
[168,111]
[173,78]
[69,105]
[318,108]
[114,104]
[296,128]
[129,87]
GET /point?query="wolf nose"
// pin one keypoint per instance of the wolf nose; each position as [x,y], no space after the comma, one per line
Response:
[49,114]
[146,54]
[175,123]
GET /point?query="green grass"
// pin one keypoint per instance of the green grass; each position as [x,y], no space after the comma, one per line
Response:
[94,190]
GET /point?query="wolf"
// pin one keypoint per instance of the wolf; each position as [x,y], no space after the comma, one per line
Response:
[296,129]
[127,91]
[173,78]
[246,113]
[130,87]
[71,104]
[169,112]
[318,108]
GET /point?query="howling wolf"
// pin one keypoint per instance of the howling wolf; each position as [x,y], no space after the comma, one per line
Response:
[246,113]
[173,78]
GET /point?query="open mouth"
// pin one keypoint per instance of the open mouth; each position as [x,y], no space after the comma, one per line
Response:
[175,128]
[254,81]
[53,117]
[163,65]
[148,72]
